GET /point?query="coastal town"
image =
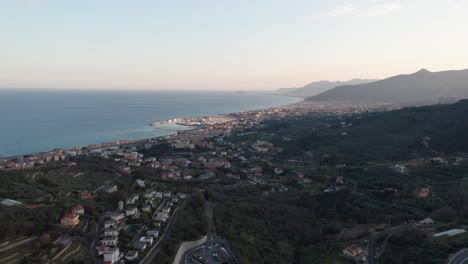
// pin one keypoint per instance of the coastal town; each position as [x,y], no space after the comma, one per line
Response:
[228,153]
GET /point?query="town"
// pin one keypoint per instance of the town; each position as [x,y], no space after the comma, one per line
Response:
[129,214]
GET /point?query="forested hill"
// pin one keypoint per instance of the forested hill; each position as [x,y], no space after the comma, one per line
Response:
[420,87]
[315,88]
[397,135]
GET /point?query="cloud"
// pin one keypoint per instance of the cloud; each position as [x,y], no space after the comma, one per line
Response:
[353,10]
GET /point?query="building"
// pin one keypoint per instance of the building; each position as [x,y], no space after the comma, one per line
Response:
[452,232]
[439,161]
[70,220]
[147,240]
[424,193]
[353,250]
[132,199]
[153,233]
[9,202]
[146,208]
[110,223]
[111,256]
[426,221]
[111,232]
[86,196]
[132,211]
[161,216]
[78,210]
[140,183]
[131,255]
[400,168]
[110,241]
[139,246]
[111,188]
[117,216]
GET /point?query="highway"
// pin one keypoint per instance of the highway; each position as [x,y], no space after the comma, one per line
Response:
[461,257]
[148,259]
[214,249]
[372,256]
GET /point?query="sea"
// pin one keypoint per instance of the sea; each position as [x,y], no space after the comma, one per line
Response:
[36,120]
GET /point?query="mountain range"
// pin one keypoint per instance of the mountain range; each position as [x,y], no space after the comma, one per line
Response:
[422,87]
[315,88]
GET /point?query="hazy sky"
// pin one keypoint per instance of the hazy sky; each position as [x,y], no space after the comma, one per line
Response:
[225,44]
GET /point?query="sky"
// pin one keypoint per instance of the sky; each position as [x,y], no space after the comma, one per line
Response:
[224,44]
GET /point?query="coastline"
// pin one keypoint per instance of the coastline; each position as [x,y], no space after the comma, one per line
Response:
[226,117]
[53,121]
[195,135]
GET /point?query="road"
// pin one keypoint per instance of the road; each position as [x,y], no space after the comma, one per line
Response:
[461,257]
[148,259]
[372,256]
[214,249]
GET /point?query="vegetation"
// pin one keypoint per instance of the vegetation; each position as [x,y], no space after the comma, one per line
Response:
[189,225]
[388,136]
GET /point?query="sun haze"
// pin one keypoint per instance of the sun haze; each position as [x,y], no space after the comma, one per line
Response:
[223,44]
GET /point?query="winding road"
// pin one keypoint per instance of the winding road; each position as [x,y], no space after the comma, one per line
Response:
[214,245]
[461,257]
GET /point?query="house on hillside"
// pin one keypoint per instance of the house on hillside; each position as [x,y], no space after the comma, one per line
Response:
[400,168]
[78,210]
[111,188]
[111,232]
[353,251]
[131,255]
[110,241]
[86,196]
[424,193]
[112,255]
[70,220]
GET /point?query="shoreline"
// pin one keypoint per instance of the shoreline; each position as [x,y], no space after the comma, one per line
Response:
[153,124]
[284,112]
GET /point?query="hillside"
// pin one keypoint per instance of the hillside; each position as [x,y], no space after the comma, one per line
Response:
[315,88]
[394,135]
[420,87]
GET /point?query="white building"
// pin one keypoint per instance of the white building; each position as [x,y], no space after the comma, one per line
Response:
[140,183]
[153,233]
[112,255]
[110,241]
[452,232]
[110,188]
[133,199]
[131,255]
[117,216]
[147,239]
[110,223]
[161,216]
[146,208]
[111,232]
[132,211]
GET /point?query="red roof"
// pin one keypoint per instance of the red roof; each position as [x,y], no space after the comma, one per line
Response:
[86,195]
[70,215]
[102,248]
[34,206]
[77,208]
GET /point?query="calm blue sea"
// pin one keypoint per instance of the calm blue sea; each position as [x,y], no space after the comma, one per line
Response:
[40,120]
